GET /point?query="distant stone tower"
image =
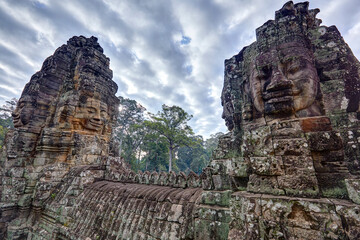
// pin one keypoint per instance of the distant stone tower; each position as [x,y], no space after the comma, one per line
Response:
[291,102]
[63,119]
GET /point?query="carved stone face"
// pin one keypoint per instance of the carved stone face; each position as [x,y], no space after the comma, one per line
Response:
[284,80]
[23,112]
[93,115]
[227,115]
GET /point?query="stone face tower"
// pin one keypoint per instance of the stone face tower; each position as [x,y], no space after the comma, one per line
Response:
[63,119]
[291,102]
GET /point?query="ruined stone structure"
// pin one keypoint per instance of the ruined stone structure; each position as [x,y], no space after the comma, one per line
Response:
[288,168]
[61,177]
[291,101]
[63,120]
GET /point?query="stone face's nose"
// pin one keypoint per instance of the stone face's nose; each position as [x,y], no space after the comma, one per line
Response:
[15,113]
[223,115]
[278,82]
[96,115]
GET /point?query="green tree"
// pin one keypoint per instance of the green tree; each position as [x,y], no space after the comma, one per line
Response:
[6,121]
[130,117]
[132,145]
[3,132]
[198,156]
[194,157]
[171,124]
[156,149]
[211,143]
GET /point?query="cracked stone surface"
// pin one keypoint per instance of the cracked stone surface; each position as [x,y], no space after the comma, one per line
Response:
[291,103]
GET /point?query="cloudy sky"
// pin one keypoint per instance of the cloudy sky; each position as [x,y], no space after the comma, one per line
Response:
[161,51]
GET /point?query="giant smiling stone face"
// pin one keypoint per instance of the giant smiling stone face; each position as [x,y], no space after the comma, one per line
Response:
[23,112]
[284,80]
[93,115]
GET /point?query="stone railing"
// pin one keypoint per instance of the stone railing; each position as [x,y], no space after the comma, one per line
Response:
[171,179]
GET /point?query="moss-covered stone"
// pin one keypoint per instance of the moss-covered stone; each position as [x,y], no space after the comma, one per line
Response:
[220,198]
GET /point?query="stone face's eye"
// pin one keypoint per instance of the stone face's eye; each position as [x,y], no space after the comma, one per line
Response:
[91,110]
[103,113]
[294,65]
[264,72]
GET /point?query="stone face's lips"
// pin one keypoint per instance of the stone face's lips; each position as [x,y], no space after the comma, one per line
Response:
[280,99]
[95,123]
[16,120]
[278,96]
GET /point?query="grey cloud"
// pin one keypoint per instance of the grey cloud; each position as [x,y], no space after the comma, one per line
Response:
[12,59]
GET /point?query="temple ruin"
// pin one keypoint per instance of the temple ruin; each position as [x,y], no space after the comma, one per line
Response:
[288,168]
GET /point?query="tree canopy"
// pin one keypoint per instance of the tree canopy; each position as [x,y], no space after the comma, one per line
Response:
[162,141]
[6,121]
[128,130]
[172,125]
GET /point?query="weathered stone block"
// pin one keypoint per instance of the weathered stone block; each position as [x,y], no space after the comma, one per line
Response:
[293,163]
[334,96]
[205,229]
[353,189]
[302,182]
[221,166]
[240,167]
[221,182]
[16,172]
[214,214]
[25,200]
[258,142]
[315,124]
[225,148]
[291,147]
[220,198]
[287,129]
[324,141]
[264,184]
[267,166]
[206,179]
[175,213]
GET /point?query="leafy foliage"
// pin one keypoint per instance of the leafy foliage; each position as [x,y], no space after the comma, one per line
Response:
[193,158]
[198,156]
[156,149]
[129,131]
[6,121]
[171,124]
[211,143]
[157,142]
[133,144]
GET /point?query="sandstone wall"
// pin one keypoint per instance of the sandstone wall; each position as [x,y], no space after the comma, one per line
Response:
[63,119]
[291,102]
